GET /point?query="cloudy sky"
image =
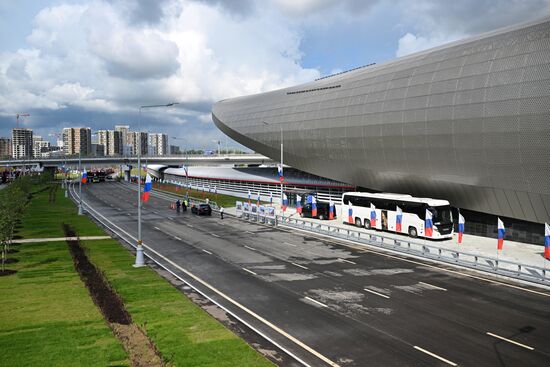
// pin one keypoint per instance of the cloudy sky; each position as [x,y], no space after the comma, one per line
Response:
[93,62]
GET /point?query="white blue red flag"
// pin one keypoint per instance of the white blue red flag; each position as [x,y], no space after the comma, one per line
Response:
[313,206]
[298,204]
[270,198]
[500,234]
[258,201]
[280,172]
[461,223]
[249,197]
[372,215]
[330,210]
[186,170]
[146,188]
[547,240]
[284,202]
[350,213]
[398,219]
[84,176]
[429,225]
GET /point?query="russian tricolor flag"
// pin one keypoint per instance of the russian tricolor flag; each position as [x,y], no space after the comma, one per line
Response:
[146,188]
[350,213]
[270,198]
[372,215]
[500,233]
[249,198]
[186,170]
[460,227]
[258,201]
[298,204]
[84,176]
[398,219]
[330,210]
[429,226]
[546,241]
[280,172]
[285,202]
[313,206]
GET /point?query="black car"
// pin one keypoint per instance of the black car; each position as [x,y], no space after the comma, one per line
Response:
[322,211]
[201,209]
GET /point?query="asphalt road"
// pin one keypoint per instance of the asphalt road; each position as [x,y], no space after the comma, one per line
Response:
[331,304]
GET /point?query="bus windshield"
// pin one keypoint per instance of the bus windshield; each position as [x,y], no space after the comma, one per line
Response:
[441,214]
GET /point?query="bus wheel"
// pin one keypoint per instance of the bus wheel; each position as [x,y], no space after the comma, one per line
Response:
[367,224]
[358,222]
[413,232]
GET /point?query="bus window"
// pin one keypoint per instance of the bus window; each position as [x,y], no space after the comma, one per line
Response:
[441,214]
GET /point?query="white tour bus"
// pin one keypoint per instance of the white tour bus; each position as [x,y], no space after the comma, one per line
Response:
[414,213]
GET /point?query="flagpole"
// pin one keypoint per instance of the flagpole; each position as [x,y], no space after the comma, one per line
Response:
[282,172]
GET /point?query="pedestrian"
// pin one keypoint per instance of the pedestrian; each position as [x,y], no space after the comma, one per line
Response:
[221,212]
[207,201]
[184,205]
[178,204]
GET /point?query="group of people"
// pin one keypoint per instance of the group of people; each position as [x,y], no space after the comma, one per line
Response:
[182,204]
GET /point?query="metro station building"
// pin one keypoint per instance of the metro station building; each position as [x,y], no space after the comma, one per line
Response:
[468,122]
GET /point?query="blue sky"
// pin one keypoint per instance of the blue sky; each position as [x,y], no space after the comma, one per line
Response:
[92,62]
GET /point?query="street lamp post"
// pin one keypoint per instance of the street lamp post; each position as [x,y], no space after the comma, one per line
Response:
[139,250]
[80,211]
[281,127]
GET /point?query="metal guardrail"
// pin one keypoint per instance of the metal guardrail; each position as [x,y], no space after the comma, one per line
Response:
[529,273]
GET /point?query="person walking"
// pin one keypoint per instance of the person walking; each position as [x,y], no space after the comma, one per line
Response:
[221,212]
[184,205]
[178,204]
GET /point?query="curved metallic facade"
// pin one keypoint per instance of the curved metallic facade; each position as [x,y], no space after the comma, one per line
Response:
[468,122]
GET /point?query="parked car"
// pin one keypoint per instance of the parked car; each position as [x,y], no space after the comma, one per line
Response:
[201,209]
[322,211]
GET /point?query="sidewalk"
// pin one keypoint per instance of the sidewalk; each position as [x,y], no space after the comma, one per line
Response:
[512,251]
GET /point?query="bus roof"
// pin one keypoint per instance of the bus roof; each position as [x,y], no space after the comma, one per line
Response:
[402,197]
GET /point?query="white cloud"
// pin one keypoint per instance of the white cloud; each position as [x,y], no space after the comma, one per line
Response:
[411,43]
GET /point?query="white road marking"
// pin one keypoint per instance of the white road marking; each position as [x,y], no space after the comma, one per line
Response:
[177,238]
[435,356]
[510,341]
[157,228]
[433,286]
[226,297]
[347,261]
[208,252]
[190,226]
[250,248]
[300,266]
[118,209]
[378,294]
[249,232]
[154,212]
[250,271]
[290,244]
[128,214]
[170,218]
[215,235]
[314,301]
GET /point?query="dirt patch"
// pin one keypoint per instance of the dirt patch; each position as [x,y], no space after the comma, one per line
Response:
[7,272]
[141,350]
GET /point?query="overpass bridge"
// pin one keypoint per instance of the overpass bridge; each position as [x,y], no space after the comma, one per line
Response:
[192,160]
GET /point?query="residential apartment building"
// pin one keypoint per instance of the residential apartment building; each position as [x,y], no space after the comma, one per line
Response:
[124,130]
[159,143]
[5,147]
[111,141]
[40,146]
[77,140]
[133,140]
[21,143]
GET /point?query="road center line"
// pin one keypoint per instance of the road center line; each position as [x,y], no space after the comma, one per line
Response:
[208,252]
[378,294]
[250,248]
[190,226]
[290,244]
[347,261]
[510,341]
[300,266]
[435,356]
[250,271]
[157,228]
[433,286]
[314,301]
[177,238]
[215,235]
[249,232]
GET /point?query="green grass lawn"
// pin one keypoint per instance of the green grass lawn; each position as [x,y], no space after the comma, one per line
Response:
[45,219]
[48,318]
[179,328]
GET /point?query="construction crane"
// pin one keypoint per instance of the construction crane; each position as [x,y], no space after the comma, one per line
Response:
[20,115]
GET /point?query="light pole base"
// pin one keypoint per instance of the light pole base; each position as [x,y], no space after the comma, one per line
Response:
[139,257]
[80,210]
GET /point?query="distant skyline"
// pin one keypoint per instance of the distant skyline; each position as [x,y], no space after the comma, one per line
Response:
[93,62]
